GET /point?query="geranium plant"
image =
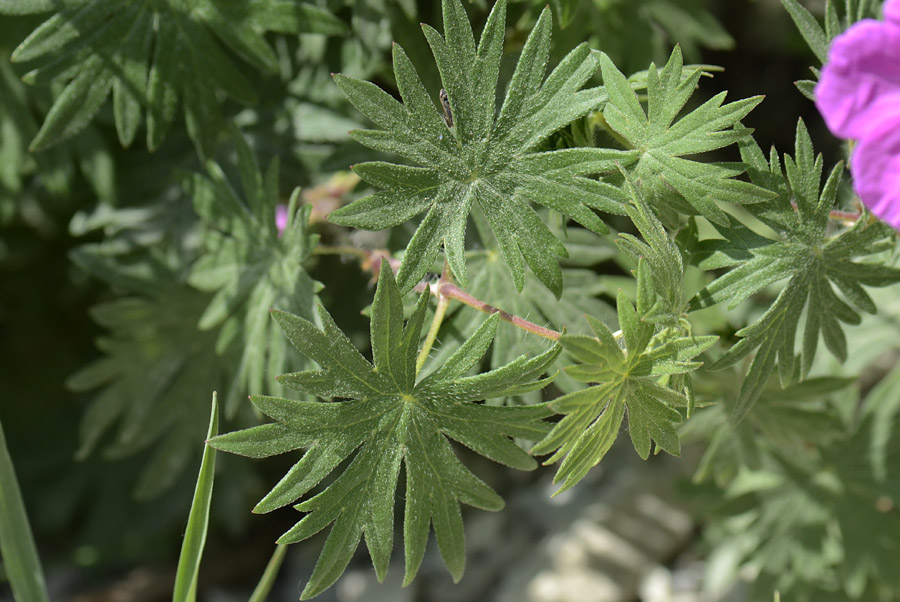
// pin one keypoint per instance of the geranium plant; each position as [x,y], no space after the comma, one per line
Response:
[552,255]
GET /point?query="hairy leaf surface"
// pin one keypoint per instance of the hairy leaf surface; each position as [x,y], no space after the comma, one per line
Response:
[484,160]
[642,369]
[664,138]
[389,417]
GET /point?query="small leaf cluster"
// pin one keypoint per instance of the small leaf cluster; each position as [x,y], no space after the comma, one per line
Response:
[807,253]
[151,55]
[633,370]
[251,267]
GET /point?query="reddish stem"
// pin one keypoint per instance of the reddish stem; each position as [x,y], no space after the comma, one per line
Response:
[837,215]
[371,261]
[452,291]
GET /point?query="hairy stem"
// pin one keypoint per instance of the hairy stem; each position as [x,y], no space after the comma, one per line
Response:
[451,291]
[837,215]
[444,290]
[844,216]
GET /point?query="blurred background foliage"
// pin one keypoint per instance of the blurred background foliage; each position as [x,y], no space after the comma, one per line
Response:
[129,291]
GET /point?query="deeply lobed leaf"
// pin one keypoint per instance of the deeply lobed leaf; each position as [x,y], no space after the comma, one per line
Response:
[642,370]
[251,267]
[389,418]
[663,139]
[620,368]
[809,255]
[484,162]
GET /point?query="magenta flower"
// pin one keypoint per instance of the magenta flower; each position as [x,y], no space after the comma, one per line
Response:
[281,218]
[858,95]
[876,162]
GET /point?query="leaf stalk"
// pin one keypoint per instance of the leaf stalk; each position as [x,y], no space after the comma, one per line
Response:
[444,290]
[451,291]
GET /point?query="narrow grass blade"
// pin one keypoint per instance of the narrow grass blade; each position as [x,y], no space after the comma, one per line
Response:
[20,559]
[195,534]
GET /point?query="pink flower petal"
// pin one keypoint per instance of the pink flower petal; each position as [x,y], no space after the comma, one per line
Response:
[863,65]
[876,162]
[892,11]
[281,218]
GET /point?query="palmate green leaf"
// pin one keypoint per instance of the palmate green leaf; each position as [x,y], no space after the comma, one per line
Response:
[644,369]
[824,495]
[784,422]
[251,267]
[814,259]
[154,362]
[484,160]
[388,418]
[630,370]
[663,140]
[148,55]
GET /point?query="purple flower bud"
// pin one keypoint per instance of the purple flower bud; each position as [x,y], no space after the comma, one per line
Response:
[281,218]
[858,95]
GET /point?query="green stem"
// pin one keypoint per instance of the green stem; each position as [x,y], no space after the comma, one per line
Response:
[436,321]
[261,593]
